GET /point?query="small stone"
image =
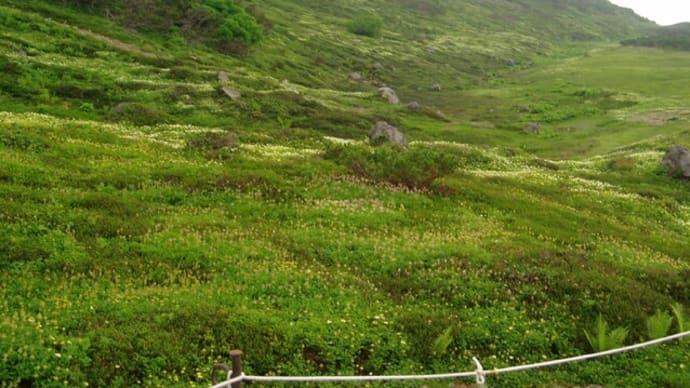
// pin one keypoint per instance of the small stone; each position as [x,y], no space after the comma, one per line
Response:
[223,77]
[436,87]
[229,92]
[355,76]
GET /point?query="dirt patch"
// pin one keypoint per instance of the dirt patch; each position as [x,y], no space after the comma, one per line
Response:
[118,44]
[655,118]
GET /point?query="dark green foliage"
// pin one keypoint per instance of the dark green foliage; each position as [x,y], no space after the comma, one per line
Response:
[138,114]
[366,25]
[416,168]
[236,24]
[226,22]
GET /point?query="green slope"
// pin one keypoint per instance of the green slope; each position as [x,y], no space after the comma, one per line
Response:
[140,243]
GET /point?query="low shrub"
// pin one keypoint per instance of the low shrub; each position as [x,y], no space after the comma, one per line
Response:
[622,164]
[214,145]
[366,25]
[416,168]
[138,114]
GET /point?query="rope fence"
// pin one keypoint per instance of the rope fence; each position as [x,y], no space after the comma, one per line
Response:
[235,376]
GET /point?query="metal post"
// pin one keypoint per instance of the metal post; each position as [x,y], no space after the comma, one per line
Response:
[236,356]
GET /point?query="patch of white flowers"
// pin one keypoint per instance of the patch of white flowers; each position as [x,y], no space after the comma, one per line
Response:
[276,152]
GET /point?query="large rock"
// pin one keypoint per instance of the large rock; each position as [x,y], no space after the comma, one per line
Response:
[383,132]
[230,92]
[389,94]
[677,160]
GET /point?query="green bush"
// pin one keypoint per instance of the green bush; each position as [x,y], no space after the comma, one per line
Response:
[416,168]
[234,23]
[222,21]
[366,25]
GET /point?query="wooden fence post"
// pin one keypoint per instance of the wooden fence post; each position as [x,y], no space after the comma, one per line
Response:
[236,356]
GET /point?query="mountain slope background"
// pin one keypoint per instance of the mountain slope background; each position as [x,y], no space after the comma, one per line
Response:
[150,223]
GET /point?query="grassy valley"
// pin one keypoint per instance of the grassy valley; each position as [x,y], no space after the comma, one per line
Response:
[151,221]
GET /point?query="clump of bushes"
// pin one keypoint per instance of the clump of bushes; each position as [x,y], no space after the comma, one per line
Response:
[416,168]
[218,22]
[366,25]
[214,145]
[138,114]
[622,164]
[234,23]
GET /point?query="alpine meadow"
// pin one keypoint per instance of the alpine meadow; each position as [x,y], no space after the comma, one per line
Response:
[355,187]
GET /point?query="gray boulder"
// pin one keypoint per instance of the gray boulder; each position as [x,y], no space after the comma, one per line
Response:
[414,106]
[383,132]
[230,92]
[533,128]
[677,160]
[436,87]
[389,94]
[223,77]
[355,76]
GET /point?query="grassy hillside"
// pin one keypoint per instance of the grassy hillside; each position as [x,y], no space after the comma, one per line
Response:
[148,224]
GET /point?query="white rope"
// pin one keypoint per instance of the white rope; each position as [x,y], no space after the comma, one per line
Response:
[227,383]
[480,373]
[588,356]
